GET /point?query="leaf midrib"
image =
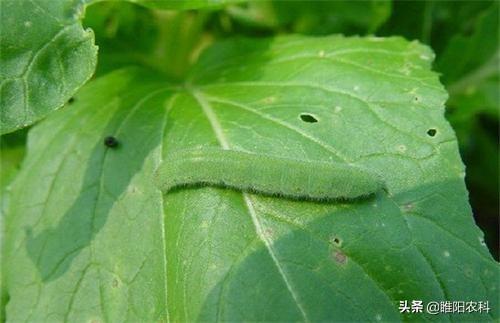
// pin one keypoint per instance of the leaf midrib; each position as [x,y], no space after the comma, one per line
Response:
[216,127]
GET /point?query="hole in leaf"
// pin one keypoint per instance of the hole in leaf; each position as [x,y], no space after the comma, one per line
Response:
[336,241]
[306,117]
[432,132]
[110,141]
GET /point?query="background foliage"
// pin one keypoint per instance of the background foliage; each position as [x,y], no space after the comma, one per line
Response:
[464,36]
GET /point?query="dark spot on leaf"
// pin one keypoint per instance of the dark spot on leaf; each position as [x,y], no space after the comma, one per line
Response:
[339,257]
[306,117]
[114,283]
[71,100]
[110,142]
[432,132]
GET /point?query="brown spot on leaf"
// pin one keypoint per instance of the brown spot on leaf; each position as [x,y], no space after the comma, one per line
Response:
[339,257]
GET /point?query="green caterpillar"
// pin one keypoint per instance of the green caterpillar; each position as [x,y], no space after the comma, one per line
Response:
[265,174]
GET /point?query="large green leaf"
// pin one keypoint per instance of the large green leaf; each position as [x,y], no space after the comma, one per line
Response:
[91,238]
[46,54]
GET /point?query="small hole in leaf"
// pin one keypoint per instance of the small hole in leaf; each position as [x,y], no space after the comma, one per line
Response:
[432,132]
[306,117]
[336,241]
[110,142]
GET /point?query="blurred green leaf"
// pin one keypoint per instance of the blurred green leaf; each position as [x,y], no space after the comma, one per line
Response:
[314,17]
[183,4]
[470,70]
[433,22]
[127,34]
[469,59]
[484,162]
